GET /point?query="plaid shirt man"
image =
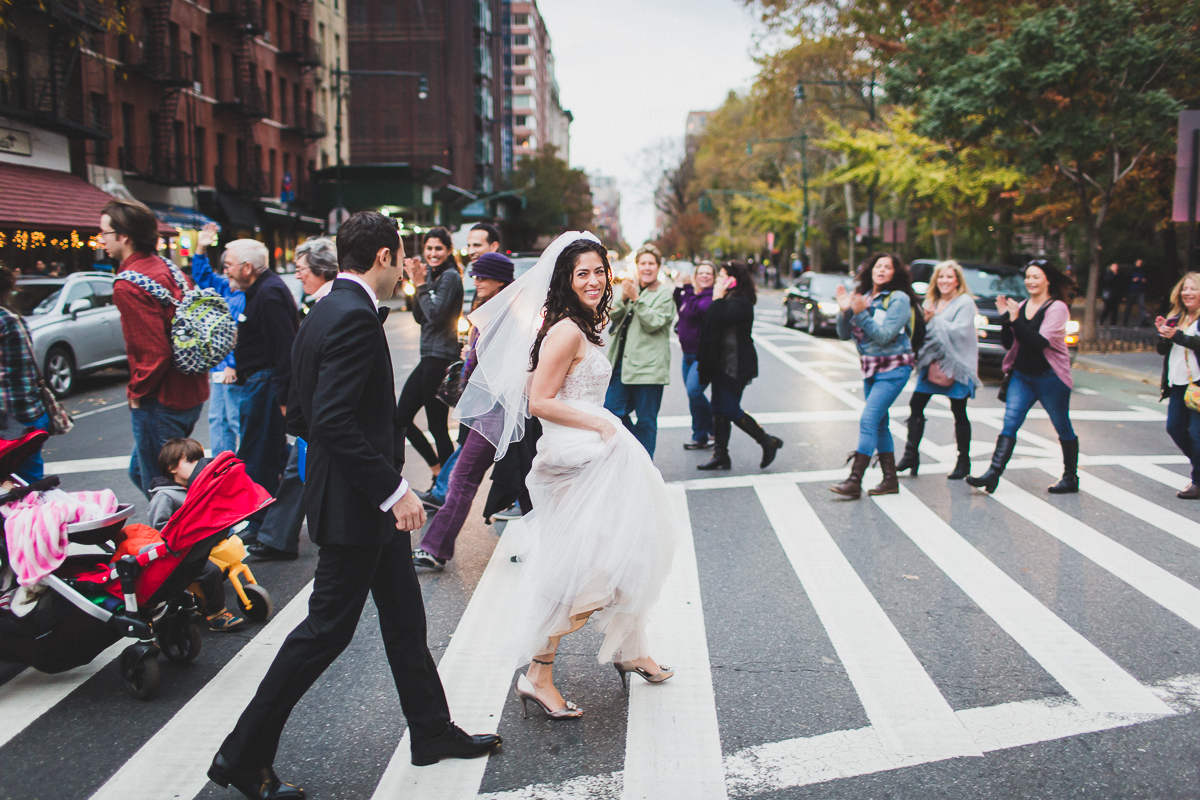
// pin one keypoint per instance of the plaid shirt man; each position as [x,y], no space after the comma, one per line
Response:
[18,371]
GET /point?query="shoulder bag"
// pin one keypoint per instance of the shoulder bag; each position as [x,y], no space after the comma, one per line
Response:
[60,421]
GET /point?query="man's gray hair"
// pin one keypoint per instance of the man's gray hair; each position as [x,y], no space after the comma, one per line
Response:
[249,251]
[322,256]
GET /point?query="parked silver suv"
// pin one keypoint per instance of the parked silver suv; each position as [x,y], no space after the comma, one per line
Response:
[76,328]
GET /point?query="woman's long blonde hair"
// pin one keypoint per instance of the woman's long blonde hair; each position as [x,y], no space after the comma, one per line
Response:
[933,294]
[1177,307]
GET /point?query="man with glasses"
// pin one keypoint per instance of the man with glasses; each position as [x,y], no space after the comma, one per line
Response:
[164,403]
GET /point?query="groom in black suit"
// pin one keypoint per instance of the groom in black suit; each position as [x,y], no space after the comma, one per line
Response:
[343,403]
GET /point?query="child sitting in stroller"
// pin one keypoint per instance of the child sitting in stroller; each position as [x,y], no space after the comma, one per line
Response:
[180,459]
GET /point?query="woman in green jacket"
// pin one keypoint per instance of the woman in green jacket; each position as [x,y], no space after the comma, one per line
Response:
[640,348]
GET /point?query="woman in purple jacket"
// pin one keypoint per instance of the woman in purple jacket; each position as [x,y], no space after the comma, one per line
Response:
[693,296]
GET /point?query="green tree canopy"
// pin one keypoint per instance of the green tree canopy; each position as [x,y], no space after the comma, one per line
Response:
[557,199]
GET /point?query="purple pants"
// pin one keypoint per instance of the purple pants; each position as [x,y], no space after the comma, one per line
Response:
[473,461]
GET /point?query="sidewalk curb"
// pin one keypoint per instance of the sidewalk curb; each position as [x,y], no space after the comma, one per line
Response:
[1093,365]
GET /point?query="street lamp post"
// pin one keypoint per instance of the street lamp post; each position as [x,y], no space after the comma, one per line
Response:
[869,97]
[337,73]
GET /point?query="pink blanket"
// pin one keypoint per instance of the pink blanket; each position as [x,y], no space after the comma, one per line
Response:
[35,528]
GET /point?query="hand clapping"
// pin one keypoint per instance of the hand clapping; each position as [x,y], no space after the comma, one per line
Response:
[415,270]
[843,297]
[858,303]
[1006,305]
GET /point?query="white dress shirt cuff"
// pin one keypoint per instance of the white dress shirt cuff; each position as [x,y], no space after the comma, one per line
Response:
[386,505]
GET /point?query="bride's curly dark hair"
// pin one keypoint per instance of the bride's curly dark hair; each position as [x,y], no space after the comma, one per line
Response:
[562,302]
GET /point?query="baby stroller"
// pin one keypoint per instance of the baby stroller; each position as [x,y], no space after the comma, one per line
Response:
[92,600]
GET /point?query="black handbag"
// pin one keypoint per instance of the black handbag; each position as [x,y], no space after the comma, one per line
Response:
[451,387]
[1002,395]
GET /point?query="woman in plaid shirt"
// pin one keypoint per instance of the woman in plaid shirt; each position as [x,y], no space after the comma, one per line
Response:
[20,405]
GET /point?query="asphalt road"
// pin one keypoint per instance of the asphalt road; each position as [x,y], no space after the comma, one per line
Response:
[939,643]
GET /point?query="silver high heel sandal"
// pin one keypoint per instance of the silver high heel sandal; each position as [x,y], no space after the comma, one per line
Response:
[625,667]
[527,692]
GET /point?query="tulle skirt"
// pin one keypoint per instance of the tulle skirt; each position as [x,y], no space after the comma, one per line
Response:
[601,538]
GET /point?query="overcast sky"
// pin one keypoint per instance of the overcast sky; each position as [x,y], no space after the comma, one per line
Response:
[631,70]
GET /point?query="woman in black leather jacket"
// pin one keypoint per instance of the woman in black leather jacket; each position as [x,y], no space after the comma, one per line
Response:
[1179,343]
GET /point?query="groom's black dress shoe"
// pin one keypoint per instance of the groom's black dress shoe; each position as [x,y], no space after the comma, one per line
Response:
[454,742]
[255,784]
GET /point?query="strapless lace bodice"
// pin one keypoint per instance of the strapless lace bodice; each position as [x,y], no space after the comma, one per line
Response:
[589,381]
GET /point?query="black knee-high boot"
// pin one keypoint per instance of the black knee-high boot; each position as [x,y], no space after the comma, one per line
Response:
[962,437]
[912,456]
[1069,483]
[770,444]
[720,455]
[989,480]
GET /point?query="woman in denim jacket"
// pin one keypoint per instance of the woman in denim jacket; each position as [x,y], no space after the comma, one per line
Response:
[878,316]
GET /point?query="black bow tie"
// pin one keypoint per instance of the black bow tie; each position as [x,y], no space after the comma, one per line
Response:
[383,314]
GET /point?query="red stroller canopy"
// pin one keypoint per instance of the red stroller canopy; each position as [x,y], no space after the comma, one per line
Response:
[220,496]
[14,451]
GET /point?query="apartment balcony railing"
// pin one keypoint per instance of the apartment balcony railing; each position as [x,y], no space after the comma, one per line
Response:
[51,106]
[155,62]
[304,51]
[89,12]
[253,182]
[155,164]
[241,96]
[245,15]
[309,125]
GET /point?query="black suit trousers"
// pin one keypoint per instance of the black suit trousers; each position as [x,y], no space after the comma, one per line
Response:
[344,577]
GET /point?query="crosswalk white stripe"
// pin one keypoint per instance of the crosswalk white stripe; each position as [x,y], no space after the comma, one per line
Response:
[1148,512]
[476,672]
[1156,473]
[901,700]
[174,762]
[673,742]
[1172,593]
[814,376]
[1092,678]
[30,694]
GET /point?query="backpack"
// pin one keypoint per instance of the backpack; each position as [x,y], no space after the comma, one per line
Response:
[916,323]
[203,331]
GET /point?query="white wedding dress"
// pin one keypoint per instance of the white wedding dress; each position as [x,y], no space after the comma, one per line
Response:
[601,534]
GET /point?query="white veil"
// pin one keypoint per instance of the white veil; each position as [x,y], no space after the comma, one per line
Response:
[496,400]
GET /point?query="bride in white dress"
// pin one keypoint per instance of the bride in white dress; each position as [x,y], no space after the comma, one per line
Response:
[601,531]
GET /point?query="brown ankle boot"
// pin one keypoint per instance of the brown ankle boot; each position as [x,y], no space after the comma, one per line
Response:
[890,484]
[852,486]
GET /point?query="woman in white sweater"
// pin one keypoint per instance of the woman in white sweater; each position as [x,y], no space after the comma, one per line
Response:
[948,364]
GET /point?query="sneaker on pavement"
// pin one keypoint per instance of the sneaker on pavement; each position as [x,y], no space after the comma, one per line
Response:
[224,621]
[428,560]
[512,512]
[430,500]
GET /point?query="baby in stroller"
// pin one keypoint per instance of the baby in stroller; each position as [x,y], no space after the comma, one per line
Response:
[180,459]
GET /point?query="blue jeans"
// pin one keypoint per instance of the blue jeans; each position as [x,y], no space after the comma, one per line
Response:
[153,424]
[1183,426]
[642,399]
[33,468]
[1048,389]
[264,439]
[224,417]
[702,413]
[442,484]
[727,398]
[281,528]
[881,391]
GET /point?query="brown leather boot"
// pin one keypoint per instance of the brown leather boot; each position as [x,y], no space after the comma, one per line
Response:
[1192,492]
[852,486]
[890,483]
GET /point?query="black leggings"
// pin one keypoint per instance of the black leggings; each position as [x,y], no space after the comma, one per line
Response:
[919,400]
[421,390]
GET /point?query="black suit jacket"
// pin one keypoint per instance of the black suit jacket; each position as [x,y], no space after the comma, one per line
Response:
[343,403]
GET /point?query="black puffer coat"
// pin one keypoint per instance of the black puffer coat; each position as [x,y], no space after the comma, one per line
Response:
[726,344]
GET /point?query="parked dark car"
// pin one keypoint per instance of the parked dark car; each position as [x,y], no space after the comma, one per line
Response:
[812,303]
[987,282]
[73,323]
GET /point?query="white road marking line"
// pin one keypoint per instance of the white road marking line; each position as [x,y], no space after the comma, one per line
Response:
[673,742]
[1172,593]
[814,376]
[88,465]
[174,762]
[1156,473]
[1148,512]
[31,693]
[99,410]
[904,705]
[477,673]
[1096,681]
[846,754]
[773,418]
